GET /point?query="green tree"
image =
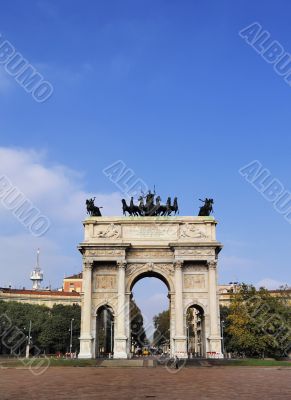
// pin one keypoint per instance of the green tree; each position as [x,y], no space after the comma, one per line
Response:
[137,325]
[258,324]
[49,328]
[162,328]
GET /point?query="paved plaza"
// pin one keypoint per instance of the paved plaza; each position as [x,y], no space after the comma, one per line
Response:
[146,383]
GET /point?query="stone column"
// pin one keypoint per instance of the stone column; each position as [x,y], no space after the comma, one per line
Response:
[180,338]
[215,337]
[86,317]
[121,338]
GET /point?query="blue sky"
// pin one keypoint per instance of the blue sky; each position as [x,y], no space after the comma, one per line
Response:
[170,88]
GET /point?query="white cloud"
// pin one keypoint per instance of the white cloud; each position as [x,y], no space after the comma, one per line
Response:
[56,190]
[59,194]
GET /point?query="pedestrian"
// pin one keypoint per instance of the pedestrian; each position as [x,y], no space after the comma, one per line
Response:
[176,362]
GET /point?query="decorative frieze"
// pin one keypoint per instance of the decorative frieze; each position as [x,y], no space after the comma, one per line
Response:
[195,251]
[104,252]
[154,254]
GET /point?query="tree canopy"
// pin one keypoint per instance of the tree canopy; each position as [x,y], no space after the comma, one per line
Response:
[257,323]
[162,328]
[50,327]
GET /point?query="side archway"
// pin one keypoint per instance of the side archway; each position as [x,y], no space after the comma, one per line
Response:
[104,331]
[195,327]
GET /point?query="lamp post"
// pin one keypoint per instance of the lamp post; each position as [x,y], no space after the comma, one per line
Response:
[28,341]
[111,337]
[71,337]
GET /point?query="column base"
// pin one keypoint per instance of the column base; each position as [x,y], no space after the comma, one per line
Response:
[180,347]
[215,347]
[120,347]
[85,347]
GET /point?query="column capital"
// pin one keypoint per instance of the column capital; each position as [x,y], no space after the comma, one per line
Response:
[88,265]
[212,264]
[178,264]
[121,264]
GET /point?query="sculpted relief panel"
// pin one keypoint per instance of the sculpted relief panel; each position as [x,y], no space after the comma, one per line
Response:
[111,231]
[191,231]
[194,281]
[105,282]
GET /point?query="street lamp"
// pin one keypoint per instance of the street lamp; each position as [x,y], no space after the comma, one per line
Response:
[111,337]
[71,337]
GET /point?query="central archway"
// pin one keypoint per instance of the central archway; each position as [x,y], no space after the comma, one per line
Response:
[158,338]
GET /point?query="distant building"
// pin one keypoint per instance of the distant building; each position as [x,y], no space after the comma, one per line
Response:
[41,297]
[73,283]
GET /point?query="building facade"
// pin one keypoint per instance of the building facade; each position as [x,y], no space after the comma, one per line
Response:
[46,298]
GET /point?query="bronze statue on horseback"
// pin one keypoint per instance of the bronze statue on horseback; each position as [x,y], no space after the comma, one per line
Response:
[93,210]
[149,206]
[207,208]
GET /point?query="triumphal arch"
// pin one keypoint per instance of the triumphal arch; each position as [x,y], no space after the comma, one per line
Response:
[119,251]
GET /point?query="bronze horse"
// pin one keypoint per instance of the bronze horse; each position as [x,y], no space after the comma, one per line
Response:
[93,210]
[132,209]
[149,206]
[207,208]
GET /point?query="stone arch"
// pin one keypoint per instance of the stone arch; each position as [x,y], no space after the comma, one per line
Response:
[194,303]
[105,303]
[146,272]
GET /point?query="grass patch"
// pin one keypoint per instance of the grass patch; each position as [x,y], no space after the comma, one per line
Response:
[254,362]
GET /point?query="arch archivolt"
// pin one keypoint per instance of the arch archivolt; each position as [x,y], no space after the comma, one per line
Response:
[136,271]
[193,303]
[104,303]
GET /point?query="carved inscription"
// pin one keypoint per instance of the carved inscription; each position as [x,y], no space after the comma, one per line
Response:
[153,232]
